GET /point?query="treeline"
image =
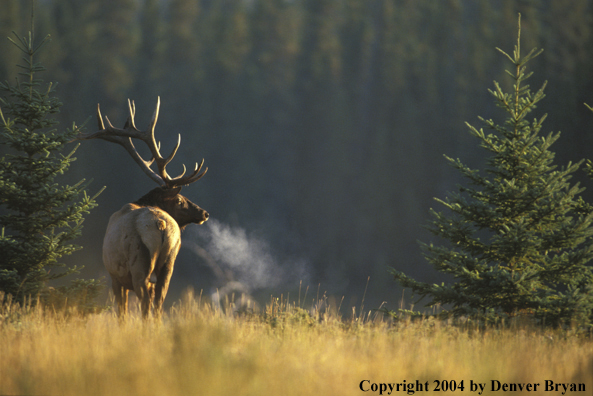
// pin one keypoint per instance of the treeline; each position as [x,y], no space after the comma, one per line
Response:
[323,122]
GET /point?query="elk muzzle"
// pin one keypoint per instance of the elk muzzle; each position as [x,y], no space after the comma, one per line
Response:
[205,216]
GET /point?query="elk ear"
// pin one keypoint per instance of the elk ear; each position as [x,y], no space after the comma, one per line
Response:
[172,192]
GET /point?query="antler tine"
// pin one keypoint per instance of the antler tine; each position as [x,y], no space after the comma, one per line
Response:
[194,176]
[155,117]
[150,140]
[197,169]
[130,121]
[163,162]
[111,127]
[100,118]
[182,173]
[184,181]
[170,157]
[101,133]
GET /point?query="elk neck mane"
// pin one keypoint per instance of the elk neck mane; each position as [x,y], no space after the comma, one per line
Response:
[154,197]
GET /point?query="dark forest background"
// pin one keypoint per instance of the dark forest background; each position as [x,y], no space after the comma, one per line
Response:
[323,122]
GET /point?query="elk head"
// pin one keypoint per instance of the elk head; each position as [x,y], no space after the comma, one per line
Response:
[176,205]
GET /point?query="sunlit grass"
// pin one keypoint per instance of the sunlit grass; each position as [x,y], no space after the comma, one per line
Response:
[284,350]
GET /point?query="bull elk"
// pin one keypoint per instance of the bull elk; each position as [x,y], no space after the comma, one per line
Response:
[143,238]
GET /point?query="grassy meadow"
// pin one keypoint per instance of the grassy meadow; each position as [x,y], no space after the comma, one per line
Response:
[284,350]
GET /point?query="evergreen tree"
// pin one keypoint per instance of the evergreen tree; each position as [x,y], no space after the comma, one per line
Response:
[37,215]
[521,238]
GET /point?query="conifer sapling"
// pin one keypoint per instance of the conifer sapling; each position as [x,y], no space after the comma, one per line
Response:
[520,237]
[38,216]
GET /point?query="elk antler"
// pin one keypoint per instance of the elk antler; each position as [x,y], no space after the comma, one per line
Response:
[124,137]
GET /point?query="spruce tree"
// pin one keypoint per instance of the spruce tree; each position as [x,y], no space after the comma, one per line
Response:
[38,216]
[520,235]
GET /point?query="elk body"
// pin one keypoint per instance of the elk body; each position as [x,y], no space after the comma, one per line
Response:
[143,238]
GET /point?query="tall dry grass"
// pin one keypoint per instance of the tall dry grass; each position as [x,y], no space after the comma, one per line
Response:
[198,350]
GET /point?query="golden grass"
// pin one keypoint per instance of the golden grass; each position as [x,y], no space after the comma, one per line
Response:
[197,350]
